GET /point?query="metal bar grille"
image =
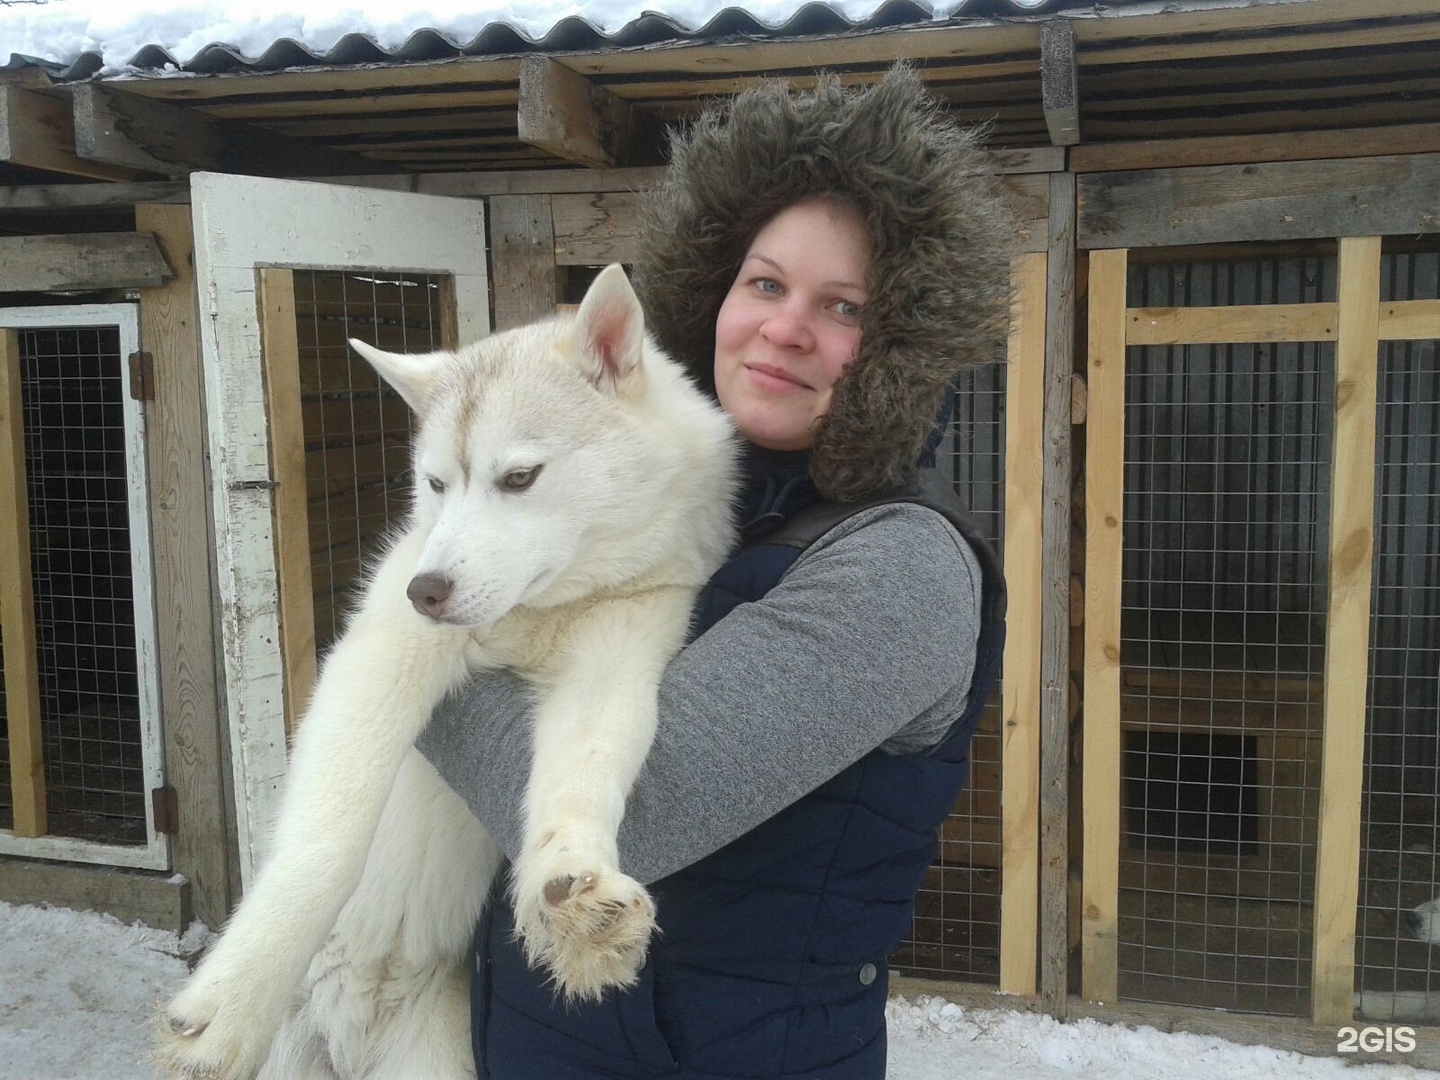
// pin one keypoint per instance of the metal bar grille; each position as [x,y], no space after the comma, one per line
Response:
[1396,973]
[956,929]
[357,430]
[1226,482]
[75,454]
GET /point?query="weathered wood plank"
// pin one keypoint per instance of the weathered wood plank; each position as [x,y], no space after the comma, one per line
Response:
[17,607]
[1104,459]
[1059,82]
[1020,691]
[522,245]
[38,132]
[563,113]
[1244,149]
[1347,631]
[161,900]
[134,132]
[83,198]
[1055,705]
[81,261]
[1043,159]
[595,230]
[1286,200]
[196,754]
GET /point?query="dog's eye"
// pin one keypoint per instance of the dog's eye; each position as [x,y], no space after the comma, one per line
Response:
[520,479]
[436,484]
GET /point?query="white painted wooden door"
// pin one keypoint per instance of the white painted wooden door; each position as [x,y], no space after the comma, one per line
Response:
[242,224]
[93,738]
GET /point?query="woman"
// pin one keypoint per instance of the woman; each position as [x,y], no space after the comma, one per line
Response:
[823,263]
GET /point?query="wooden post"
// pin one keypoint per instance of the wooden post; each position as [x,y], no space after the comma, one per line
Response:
[1104,549]
[1020,691]
[280,355]
[1347,631]
[17,606]
[1055,591]
[197,762]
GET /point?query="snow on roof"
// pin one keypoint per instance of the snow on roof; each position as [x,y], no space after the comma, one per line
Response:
[75,39]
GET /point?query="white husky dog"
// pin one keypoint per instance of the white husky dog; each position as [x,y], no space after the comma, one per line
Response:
[572,493]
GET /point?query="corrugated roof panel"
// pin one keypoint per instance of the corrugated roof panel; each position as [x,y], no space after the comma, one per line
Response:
[570,33]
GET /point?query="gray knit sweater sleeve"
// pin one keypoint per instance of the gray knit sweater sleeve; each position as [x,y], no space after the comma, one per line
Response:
[868,641]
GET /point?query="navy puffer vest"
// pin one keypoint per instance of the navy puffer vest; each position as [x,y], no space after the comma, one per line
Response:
[771,961]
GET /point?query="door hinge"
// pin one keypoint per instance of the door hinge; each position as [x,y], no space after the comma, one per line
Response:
[142,376]
[166,809]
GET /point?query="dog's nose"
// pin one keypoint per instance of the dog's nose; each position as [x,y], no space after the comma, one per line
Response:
[428,592]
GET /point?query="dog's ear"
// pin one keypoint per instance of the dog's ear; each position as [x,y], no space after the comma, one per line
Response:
[611,326]
[410,375]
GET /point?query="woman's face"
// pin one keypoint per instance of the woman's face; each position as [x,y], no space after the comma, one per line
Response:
[791,322]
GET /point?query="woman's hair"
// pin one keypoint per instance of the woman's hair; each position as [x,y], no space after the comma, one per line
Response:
[940,243]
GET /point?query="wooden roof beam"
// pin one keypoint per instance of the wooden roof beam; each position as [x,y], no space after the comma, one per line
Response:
[1060,82]
[36,131]
[134,132]
[565,114]
[80,262]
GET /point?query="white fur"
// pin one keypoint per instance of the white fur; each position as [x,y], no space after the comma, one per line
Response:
[348,957]
[1423,921]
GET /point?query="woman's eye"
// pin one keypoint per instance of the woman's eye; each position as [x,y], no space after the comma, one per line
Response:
[520,479]
[847,309]
[436,484]
[767,285]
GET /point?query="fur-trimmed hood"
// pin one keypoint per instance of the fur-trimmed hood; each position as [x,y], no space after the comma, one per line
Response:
[941,240]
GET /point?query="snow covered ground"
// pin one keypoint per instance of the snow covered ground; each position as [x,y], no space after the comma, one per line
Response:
[77,991]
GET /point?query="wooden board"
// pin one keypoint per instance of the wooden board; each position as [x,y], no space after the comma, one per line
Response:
[80,262]
[1287,200]
[1020,691]
[196,751]
[17,607]
[1055,525]
[523,248]
[281,351]
[1347,631]
[1104,545]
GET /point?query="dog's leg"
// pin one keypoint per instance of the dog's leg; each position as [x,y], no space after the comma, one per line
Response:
[578,915]
[403,937]
[374,696]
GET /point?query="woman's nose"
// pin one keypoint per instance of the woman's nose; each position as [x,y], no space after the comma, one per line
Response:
[788,327]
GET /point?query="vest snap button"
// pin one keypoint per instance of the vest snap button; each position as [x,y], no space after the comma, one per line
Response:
[867,974]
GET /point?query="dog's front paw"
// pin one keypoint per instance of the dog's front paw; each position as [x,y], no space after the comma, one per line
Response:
[199,1038]
[589,928]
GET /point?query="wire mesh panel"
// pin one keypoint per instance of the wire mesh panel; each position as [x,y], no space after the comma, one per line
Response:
[956,931]
[1398,970]
[357,430]
[1226,481]
[79,504]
